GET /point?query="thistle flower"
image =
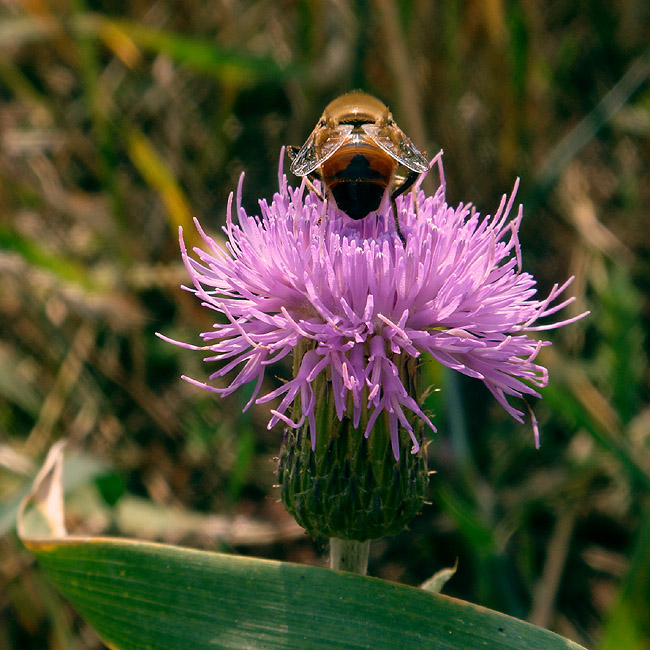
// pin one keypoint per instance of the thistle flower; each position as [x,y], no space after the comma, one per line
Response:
[358,295]
[358,305]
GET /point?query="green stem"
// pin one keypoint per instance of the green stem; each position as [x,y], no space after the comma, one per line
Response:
[349,555]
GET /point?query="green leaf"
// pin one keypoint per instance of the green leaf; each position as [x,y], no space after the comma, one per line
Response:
[237,66]
[628,622]
[143,596]
[36,255]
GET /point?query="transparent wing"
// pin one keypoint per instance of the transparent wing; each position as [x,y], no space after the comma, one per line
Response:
[314,153]
[395,143]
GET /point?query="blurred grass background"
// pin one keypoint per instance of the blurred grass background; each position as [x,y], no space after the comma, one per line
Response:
[121,121]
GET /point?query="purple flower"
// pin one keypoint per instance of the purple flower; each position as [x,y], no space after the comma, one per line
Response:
[353,297]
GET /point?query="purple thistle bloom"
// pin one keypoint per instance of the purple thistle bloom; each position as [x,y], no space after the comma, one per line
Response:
[359,297]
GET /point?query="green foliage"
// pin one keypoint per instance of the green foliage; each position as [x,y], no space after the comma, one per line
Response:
[120,123]
[141,596]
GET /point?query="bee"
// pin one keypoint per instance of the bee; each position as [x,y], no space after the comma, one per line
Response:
[355,151]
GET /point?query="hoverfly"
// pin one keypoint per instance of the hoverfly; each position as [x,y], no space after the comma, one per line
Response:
[355,150]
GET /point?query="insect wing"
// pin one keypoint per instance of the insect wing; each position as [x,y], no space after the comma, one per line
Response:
[313,153]
[395,143]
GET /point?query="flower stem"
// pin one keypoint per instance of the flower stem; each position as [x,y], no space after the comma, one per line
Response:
[349,555]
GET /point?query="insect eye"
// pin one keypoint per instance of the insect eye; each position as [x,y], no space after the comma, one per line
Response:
[391,122]
[322,122]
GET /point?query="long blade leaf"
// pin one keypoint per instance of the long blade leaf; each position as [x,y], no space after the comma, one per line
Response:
[144,596]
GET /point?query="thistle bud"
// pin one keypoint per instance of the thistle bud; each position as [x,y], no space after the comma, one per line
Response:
[348,485]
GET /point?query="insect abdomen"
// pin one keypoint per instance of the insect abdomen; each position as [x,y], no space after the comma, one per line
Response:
[358,199]
[358,180]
